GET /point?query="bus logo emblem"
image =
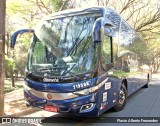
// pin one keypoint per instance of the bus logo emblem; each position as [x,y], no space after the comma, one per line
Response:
[50,80]
[49,96]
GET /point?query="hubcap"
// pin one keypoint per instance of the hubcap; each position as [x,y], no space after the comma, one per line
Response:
[121,97]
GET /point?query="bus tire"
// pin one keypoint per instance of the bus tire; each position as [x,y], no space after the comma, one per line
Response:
[147,84]
[122,99]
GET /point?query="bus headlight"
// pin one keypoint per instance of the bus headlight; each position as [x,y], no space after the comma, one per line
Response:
[83,92]
[91,89]
[86,91]
[26,87]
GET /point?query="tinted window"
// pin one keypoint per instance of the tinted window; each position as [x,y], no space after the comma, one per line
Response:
[106,53]
[64,46]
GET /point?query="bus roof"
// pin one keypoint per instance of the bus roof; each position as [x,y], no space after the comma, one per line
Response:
[71,12]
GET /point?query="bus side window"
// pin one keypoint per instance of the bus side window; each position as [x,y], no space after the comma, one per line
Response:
[106,53]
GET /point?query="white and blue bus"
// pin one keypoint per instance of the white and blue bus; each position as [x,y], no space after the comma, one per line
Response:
[83,62]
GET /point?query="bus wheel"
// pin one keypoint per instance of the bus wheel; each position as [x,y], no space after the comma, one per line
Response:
[147,84]
[122,99]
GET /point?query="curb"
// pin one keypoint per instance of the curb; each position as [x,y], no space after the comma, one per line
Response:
[23,113]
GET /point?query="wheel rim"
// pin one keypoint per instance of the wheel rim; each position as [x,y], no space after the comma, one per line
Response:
[121,97]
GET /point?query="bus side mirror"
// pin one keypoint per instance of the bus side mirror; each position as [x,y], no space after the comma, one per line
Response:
[99,26]
[19,32]
[97,30]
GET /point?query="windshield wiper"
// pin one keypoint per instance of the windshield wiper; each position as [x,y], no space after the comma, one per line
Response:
[72,74]
[50,69]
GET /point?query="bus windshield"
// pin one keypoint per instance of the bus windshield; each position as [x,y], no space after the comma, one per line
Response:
[63,47]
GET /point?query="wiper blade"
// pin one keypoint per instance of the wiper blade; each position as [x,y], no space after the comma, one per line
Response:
[72,74]
[52,69]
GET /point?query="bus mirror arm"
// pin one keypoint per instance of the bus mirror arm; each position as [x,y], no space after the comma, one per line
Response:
[19,32]
[99,26]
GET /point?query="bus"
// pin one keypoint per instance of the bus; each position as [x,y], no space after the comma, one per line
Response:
[83,62]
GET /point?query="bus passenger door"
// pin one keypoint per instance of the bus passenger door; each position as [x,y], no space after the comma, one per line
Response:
[108,99]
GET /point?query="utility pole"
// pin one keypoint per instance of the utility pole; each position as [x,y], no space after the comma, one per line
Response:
[2,53]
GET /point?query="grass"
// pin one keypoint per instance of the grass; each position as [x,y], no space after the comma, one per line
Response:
[9,88]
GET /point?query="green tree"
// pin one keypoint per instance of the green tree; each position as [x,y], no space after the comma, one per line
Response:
[144,17]
[28,13]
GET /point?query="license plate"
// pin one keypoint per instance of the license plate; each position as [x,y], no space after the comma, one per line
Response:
[51,108]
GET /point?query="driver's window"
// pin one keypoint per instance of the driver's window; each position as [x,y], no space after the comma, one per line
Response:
[106,53]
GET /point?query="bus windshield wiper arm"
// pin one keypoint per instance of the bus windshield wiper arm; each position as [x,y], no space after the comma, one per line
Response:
[72,74]
[53,68]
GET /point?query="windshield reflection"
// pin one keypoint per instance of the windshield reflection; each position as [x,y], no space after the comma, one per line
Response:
[63,47]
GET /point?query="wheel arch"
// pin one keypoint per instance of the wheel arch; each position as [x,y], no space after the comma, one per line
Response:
[125,82]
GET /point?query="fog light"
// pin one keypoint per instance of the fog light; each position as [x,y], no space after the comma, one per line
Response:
[86,107]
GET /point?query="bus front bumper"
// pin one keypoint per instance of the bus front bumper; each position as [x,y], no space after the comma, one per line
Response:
[62,102]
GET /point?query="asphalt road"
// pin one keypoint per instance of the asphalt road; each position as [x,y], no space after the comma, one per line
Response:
[144,103]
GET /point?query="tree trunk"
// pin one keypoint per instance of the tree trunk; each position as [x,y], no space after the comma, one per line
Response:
[2,51]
